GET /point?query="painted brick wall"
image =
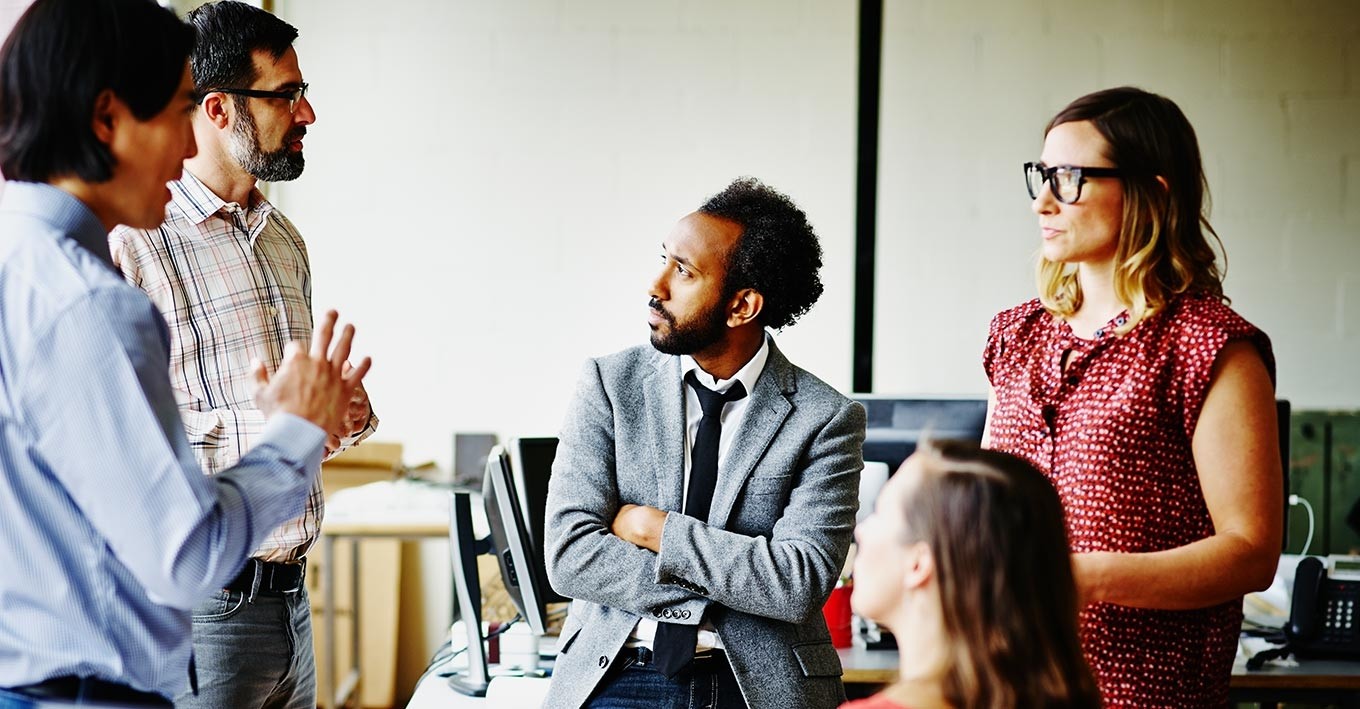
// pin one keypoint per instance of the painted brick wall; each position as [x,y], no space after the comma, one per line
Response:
[488,183]
[1273,89]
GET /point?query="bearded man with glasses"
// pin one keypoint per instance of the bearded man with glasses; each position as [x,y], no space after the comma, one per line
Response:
[230,274]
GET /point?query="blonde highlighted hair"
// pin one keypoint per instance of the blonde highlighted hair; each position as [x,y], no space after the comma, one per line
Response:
[1164,247]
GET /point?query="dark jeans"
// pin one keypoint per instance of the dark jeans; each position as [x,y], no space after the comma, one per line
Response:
[253,655]
[633,682]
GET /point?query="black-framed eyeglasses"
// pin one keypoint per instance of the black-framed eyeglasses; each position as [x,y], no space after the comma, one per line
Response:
[292,96]
[1064,181]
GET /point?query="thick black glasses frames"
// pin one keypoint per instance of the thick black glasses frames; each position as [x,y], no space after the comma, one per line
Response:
[292,96]
[1064,181]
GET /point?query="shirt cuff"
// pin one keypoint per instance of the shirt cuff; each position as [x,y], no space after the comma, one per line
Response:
[296,439]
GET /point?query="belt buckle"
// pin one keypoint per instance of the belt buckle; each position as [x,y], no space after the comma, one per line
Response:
[274,582]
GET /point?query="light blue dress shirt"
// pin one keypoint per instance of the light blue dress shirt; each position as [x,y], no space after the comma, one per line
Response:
[109,532]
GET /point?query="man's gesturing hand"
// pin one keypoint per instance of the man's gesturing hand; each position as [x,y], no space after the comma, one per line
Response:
[315,383]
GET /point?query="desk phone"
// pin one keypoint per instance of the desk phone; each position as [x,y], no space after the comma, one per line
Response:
[1323,618]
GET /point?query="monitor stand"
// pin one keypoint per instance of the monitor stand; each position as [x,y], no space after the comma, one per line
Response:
[464,548]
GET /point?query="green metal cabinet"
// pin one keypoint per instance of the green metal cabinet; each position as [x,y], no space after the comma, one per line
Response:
[1324,468]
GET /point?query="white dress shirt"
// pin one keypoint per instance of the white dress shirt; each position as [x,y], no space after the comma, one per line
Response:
[732,416]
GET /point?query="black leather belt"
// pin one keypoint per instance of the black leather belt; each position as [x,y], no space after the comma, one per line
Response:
[89,689]
[278,577]
[706,661]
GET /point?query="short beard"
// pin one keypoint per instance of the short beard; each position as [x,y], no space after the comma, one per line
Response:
[276,166]
[705,330]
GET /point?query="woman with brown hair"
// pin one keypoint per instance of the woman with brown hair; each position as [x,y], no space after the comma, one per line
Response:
[965,558]
[1146,400]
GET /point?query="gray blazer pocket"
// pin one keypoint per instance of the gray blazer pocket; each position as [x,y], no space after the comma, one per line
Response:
[818,659]
[767,484]
[564,644]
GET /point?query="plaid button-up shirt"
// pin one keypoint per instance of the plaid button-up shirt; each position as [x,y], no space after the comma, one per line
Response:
[234,285]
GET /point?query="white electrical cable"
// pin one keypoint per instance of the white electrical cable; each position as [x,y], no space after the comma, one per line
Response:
[1296,500]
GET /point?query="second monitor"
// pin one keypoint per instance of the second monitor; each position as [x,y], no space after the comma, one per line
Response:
[515,495]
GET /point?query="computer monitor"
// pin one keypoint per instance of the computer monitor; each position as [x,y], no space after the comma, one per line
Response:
[896,424]
[531,461]
[464,547]
[521,562]
[512,541]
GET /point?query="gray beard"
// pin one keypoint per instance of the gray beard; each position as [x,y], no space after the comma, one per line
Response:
[278,166]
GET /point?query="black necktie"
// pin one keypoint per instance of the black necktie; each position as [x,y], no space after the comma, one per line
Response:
[673,647]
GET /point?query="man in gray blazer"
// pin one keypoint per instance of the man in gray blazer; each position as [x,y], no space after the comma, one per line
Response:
[700,529]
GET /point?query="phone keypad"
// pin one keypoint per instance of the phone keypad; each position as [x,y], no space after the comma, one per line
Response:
[1339,626]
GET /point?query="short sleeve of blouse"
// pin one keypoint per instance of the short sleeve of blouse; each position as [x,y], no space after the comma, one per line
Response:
[1003,330]
[1205,327]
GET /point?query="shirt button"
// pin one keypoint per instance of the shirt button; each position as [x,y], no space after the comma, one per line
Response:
[273,312]
[1072,379]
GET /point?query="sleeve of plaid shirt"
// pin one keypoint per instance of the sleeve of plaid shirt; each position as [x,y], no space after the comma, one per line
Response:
[220,436]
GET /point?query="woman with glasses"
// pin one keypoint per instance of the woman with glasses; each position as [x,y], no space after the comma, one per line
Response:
[965,558]
[1147,401]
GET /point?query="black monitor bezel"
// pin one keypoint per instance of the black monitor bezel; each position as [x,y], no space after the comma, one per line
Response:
[536,524]
[511,541]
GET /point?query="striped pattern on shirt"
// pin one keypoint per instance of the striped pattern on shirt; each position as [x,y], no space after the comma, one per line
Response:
[234,284]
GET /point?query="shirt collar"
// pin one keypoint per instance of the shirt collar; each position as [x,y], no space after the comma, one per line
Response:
[747,375]
[60,209]
[193,198]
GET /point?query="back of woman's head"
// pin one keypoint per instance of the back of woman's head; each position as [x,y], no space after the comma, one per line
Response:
[1164,247]
[994,526]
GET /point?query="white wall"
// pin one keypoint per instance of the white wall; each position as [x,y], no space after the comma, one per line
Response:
[1273,90]
[488,183]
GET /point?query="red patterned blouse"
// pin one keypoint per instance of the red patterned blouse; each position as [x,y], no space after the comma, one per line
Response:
[1113,431]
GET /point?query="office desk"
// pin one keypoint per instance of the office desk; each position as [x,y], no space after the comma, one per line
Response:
[861,667]
[376,511]
[1312,681]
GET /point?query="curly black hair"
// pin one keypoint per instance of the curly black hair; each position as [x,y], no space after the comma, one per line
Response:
[778,254]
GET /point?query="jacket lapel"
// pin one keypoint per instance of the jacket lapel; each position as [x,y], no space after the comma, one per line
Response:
[770,406]
[663,413]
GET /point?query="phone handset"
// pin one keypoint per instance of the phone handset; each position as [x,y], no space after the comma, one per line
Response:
[1304,615]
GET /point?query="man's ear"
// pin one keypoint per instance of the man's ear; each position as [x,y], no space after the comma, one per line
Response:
[921,569]
[214,108]
[745,307]
[106,116]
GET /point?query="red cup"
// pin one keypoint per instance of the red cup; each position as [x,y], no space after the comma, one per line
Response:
[837,612]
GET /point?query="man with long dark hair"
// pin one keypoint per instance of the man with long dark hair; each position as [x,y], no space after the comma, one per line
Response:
[705,488]
[231,275]
[110,531]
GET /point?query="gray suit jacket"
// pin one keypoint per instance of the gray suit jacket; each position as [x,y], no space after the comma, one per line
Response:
[780,525]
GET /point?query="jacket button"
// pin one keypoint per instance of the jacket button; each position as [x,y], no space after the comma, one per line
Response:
[684,614]
[604,661]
